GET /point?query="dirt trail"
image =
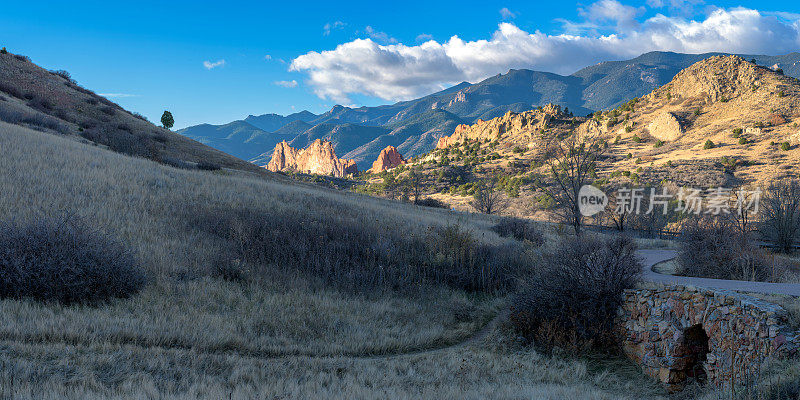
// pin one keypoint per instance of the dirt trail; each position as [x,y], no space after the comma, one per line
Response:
[435,347]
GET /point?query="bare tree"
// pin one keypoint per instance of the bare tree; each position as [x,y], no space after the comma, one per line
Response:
[740,216]
[780,214]
[571,163]
[652,216]
[487,198]
[618,219]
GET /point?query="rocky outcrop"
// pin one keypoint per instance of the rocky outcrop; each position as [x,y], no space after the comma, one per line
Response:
[318,158]
[665,127]
[524,124]
[794,139]
[680,332]
[717,78]
[388,159]
[588,129]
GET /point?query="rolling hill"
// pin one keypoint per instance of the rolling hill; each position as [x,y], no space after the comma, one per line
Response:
[53,102]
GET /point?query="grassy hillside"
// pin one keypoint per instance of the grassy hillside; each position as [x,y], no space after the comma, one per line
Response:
[51,101]
[276,328]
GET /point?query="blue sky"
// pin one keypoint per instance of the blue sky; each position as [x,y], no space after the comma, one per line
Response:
[289,56]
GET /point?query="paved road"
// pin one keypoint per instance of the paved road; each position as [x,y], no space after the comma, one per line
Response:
[653,257]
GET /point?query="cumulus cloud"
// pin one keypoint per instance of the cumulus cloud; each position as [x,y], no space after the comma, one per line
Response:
[681,7]
[612,11]
[401,72]
[211,65]
[507,14]
[332,26]
[287,84]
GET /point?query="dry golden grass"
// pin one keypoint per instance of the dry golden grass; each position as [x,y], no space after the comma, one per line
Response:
[136,201]
[471,372]
[191,335]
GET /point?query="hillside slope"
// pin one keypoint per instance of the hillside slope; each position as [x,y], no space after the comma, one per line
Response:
[34,97]
[722,122]
[598,87]
[193,326]
[721,107]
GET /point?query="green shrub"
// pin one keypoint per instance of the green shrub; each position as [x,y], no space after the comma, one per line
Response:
[742,140]
[708,145]
[628,129]
[518,150]
[658,144]
[3,51]
[737,132]
[636,139]
[545,202]
[696,111]
[785,146]
[60,259]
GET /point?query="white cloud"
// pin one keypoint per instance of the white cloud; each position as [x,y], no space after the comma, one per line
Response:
[118,95]
[424,37]
[507,14]
[612,11]
[268,57]
[379,36]
[400,72]
[211,65]
[287,84]
[681,7]
[332,26]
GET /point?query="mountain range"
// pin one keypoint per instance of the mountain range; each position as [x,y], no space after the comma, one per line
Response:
[414,126]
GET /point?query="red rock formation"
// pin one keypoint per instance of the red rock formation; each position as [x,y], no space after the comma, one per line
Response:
[388,159]
[318,158]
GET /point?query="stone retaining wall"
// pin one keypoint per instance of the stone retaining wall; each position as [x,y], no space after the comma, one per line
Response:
[679,332]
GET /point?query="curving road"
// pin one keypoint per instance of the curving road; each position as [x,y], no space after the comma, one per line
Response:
[653,257]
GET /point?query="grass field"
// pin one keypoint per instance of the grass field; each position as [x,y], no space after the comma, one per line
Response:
[287,334]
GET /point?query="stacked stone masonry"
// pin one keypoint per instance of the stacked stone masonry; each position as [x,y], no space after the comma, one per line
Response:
[679,333]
